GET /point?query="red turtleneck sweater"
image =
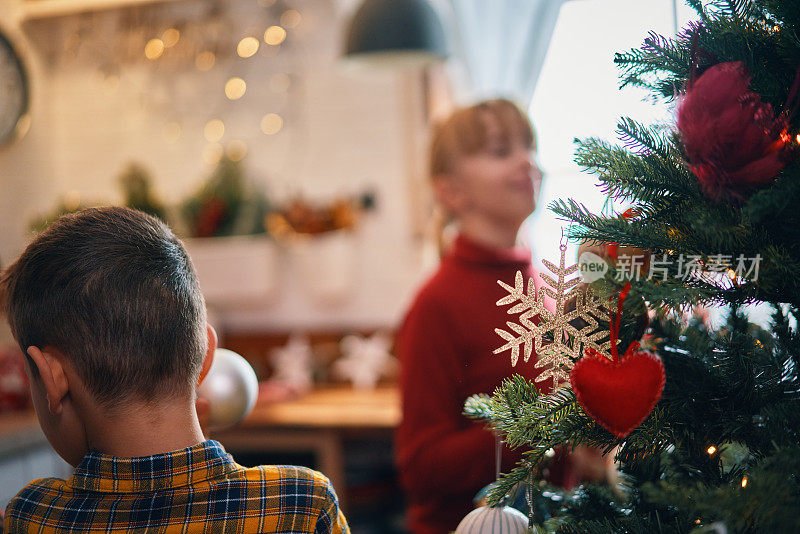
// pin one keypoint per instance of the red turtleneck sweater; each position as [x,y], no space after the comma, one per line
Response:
[446,346]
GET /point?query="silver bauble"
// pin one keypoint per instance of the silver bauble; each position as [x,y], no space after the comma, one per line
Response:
[231,388]
[500,520]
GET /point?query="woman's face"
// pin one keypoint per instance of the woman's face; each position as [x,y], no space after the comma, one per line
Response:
[500,182]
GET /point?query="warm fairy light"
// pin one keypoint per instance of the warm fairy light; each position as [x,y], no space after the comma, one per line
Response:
[205,60]
[171,132]
[72,200]
[291,18]
[798,138]
[731,274]
[785,137]
[711,450]
[214,130]
[271,123]
[235,88]
[744,481]
[213,153]
[247,47]
[274,35]
[170,37]
[236,150]
[280,82]
[154,48]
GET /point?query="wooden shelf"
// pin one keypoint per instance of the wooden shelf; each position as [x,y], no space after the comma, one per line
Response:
[40,9]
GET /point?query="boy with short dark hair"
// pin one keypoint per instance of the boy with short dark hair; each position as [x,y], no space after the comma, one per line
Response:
[106,305]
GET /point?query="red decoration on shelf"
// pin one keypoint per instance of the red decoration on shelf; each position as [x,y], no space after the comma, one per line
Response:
[619,394]
[211,216]
[733,140]
[14,393]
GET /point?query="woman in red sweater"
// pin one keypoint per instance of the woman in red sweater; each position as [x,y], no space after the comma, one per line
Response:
[485,176]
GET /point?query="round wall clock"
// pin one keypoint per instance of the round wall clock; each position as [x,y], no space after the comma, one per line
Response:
[14,96]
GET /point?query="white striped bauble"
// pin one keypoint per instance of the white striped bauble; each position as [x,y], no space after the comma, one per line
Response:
[500,520]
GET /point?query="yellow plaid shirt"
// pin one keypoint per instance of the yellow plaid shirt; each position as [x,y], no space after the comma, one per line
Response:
[198,489]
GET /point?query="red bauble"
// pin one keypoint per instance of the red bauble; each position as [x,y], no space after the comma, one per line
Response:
[620,394]
[733,140]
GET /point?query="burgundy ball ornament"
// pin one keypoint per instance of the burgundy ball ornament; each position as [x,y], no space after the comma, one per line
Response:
[231,388]
[733,140]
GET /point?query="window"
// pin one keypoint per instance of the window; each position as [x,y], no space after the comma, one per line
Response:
[578,96]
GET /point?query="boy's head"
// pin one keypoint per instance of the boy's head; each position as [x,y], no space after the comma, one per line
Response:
[112,292]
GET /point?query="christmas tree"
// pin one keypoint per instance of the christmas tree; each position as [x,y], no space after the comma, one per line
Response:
[714,207]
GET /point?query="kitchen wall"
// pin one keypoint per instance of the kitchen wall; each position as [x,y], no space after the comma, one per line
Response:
[346,130]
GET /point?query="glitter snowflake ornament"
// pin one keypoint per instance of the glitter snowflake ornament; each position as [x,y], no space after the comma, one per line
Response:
[558,337]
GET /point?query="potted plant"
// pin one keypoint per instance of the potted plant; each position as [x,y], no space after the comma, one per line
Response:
[235,259]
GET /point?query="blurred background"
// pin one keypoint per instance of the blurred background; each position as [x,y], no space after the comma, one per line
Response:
[291,156]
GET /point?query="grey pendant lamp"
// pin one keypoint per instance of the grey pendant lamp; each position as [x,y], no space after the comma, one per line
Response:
[396,32]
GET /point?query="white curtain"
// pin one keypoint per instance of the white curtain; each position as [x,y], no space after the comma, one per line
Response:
[502,45]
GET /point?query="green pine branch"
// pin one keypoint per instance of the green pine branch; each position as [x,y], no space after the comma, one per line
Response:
[735,389]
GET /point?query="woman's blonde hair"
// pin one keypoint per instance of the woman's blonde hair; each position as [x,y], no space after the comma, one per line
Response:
[464,132]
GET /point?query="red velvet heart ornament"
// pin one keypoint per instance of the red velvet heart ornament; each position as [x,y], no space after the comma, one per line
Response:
[620,394]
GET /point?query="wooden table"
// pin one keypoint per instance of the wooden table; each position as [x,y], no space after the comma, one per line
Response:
[317,422]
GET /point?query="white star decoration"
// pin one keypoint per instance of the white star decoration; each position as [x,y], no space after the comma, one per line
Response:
[365,360]
[293,363]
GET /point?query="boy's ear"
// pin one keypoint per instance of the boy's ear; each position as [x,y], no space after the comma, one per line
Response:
[54,379]
[208,359]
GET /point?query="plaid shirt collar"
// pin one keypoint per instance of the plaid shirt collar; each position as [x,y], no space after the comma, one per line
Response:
[99,472]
